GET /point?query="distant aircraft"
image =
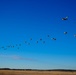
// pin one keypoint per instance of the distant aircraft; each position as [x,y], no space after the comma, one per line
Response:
[66,18]
[65,32]
[53,38]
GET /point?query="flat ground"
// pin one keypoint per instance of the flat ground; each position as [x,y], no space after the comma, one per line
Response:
[15,72]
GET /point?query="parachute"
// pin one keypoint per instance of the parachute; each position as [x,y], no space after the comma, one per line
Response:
[66,18]
[53,38]
[74,35]
[65,32]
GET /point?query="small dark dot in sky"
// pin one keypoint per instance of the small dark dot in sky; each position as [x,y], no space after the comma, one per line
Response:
[30,38]
[48,35]
[13,46]
[28,43]
[5,49]
[40,39]
[18,48]
[43,41]
[37,41]
[2,46]
[16,45]
[74,35]
[25,41]
[19,44]
[8,46]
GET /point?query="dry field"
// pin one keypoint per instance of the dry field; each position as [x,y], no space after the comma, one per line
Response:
[13,72]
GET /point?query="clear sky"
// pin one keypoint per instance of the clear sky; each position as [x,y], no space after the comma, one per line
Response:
[21,20]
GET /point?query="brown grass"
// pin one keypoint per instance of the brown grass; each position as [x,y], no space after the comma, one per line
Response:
[13,72]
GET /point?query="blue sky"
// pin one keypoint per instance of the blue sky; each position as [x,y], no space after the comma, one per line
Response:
[21,20]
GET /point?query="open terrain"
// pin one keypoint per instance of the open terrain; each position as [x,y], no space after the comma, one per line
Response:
[18,72]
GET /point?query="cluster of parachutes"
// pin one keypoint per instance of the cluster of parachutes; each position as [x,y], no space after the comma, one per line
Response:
[25,42]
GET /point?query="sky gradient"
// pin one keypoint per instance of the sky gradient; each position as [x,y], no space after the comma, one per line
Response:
[21,20]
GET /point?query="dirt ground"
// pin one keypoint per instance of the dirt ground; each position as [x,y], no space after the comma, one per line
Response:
[13,72]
